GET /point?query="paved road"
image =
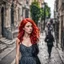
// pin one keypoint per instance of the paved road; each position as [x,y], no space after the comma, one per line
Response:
[9,58]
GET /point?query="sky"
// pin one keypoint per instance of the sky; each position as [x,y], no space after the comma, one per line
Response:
[51,5]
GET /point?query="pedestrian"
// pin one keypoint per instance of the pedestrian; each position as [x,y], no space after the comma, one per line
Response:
[49,39]
[26,43]
[48,28]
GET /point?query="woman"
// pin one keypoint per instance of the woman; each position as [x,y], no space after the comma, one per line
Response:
[26,43]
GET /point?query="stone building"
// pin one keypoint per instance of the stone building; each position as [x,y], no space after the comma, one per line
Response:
[56,17]
[11,13]
[59,17]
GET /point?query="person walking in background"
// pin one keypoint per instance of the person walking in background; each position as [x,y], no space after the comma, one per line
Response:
[48,28]
[49,39]
[26,43]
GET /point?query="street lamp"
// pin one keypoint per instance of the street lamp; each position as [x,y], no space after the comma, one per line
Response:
[43,6]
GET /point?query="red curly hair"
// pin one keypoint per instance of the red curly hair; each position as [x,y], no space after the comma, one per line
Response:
[35,33]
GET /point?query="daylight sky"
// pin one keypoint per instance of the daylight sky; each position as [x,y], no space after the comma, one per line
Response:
[51,4]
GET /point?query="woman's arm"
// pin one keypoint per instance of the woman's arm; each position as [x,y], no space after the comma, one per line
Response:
[17,50]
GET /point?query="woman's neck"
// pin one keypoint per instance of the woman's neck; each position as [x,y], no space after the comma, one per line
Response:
[26,35]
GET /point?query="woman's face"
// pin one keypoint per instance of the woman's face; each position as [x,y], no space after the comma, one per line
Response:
[28,28]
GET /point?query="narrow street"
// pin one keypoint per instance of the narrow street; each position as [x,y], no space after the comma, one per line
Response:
[44,15]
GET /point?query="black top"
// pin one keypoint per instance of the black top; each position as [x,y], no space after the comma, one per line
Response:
[29,54]
[49,39]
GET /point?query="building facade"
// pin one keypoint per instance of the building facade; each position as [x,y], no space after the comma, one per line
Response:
[11,13]
[59,18]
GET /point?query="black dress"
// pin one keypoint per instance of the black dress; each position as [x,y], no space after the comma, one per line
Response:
[29,54]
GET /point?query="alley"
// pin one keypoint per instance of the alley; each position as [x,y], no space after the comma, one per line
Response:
[47,15]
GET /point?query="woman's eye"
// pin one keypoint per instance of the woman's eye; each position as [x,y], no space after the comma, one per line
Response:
[29,26]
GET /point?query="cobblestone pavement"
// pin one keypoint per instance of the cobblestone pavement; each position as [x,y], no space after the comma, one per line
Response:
[43,54]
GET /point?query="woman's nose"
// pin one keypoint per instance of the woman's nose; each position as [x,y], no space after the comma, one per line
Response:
[30,28]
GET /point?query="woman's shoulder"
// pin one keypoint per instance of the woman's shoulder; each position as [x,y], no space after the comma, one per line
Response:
[17,41]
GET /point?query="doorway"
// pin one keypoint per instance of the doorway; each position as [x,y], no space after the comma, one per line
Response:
[2,20]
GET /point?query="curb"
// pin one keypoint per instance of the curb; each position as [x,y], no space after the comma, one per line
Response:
[61,54]
[8,42]
[6,52]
